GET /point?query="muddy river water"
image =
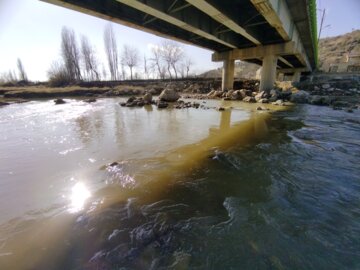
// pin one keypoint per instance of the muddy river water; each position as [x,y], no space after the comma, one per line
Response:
[100,186]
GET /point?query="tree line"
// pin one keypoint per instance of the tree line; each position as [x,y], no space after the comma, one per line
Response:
[11,76]
[80,62]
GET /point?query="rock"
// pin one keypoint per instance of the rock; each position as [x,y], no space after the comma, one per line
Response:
[147,98]
[274,95]
[301,97]
[114,164]
[169,95]
[284,95]
[130,99]
[261,108]
[243,93]
[263,100]
[229,93]
[349,110]
[162,104]
[279,102]
[59,101]
[211,93]
[260,95]
[320,100]
[237,95]
[4,103]
[249,99]
[90,100]
[339,103]
[316,88]
[325,86]
[221,109]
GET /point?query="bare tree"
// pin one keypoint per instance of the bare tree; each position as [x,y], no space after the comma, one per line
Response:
[188,63]
[70,54]
[172,54]
[8,77]
[58,74]
[22,73]
[130,58]
[111,52]
[157,61]
[89,60]
[146,69]
[123,71]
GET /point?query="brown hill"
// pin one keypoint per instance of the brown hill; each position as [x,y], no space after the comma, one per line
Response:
[242,70]
[333,50]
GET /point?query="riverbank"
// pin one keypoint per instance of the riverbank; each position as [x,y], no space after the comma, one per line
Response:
[337,93]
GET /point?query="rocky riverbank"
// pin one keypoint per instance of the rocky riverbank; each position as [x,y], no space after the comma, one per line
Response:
[336,93]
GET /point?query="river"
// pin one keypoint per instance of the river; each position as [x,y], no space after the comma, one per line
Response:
[99,186]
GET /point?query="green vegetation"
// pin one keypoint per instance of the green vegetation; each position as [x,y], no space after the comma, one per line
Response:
[313,25]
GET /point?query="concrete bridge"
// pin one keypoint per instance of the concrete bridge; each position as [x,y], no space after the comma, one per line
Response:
[280,35]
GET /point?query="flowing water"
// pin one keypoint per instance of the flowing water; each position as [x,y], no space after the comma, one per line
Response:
[99,186]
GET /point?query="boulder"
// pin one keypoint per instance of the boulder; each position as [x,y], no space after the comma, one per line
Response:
[320,100]
[325,86]
[59,101]
[162,104]
[274,95]
[340,104]
[249,99]
[261,108]
[300,97]
[279,102]
[147,98]
[4,103]
[169,95]
[211,93]
[263,100]
[237,95]
[260,95]
[90,100]
[229,93]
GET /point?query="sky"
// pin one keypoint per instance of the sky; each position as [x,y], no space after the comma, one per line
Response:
[30,30]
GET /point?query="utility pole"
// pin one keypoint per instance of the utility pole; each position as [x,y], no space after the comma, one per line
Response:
[322,22]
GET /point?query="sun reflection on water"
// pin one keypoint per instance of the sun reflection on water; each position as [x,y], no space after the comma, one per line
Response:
[79,195]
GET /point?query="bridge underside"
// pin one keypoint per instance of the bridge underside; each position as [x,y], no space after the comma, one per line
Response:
[265,32]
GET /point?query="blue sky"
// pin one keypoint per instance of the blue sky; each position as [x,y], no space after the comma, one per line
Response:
[30,30]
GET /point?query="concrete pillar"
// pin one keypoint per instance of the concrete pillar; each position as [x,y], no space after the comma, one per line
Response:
[228,75]
[268,72]
[296,76]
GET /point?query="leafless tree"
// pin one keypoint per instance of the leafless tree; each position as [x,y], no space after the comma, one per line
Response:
[123,71]
[146,69]
[130,58]
[58,74]
[104,72]
[70,54]
[89,60]
[172,54]
[22,73]
[8,77]
[111,52]
[188,63]
[157,61]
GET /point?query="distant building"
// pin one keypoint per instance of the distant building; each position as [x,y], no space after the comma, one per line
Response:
[346,63]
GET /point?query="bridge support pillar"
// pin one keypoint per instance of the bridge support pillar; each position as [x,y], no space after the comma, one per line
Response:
[296,76]
[268,72]
[228,74]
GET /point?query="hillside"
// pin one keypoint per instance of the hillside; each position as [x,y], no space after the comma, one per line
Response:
[333,49]
[242,70]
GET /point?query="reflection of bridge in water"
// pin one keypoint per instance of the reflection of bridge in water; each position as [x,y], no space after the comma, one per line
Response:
[280,35]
